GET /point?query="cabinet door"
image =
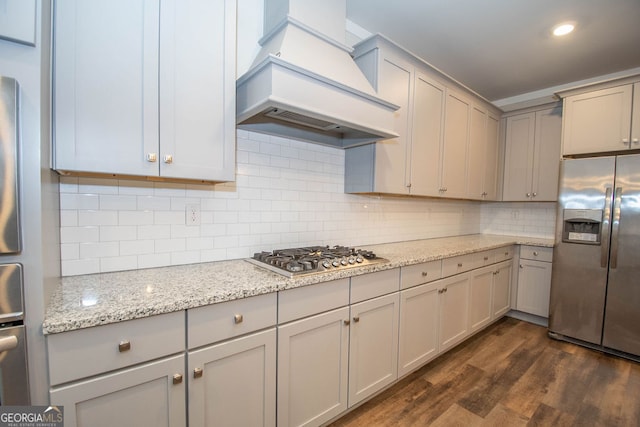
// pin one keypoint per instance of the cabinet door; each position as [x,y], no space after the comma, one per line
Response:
[395,85]
[105,86]
[501,294]
[477,153]
[234,383]
[480,306]
[456,135]
[454,310]
[597,121]
[427,136]
[490,180]
[373,346]
[635,120]
[418,327]
[313,369]
[546,167]
[519,153]
[534,284]
[144,396]
[197,89]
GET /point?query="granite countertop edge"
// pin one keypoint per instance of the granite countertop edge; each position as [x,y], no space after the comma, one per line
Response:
[99,299]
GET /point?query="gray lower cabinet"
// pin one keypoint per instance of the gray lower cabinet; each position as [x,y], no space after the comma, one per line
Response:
[149,395]
[319,349]
[233,383]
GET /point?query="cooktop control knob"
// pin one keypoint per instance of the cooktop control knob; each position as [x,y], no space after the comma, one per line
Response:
[335,263]
[344,261]
[326,264]
[359,259]
[352,260]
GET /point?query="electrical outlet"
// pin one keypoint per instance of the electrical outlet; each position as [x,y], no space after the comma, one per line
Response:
[192,215]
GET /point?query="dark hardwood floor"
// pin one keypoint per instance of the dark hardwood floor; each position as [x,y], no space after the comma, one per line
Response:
[510,374]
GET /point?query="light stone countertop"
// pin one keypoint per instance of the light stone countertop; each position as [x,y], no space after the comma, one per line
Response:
[100,299]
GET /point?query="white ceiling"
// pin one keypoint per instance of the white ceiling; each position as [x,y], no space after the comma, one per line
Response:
[503,48]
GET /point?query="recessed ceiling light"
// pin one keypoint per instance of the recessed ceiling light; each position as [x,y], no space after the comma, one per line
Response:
[563,29]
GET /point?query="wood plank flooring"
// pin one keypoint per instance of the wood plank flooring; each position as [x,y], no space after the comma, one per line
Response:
[510,374]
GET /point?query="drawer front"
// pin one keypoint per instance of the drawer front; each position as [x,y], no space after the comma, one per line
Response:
[417,274]
[373,285]
[537,253]
[218,322]
[484,258]
[503,254]
[85,352]
[460,264]
[313,299]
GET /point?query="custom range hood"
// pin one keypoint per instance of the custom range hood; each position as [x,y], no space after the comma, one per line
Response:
[304,84]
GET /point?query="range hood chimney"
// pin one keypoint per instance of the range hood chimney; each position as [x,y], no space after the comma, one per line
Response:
[304,84]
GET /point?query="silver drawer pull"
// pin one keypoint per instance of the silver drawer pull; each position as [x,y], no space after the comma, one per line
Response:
[168,159]
[238,318]
[425,273]
[152,157]
[124,346]
[177,378]
[197,373]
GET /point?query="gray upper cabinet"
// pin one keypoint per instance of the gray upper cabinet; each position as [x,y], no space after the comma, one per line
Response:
[430,157]
[532,155]
[151,96]
[603,120]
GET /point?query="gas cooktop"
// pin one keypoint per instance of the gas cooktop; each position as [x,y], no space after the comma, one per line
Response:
[314,259]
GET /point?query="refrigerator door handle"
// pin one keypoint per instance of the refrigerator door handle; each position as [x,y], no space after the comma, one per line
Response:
[604,256]
[615,227]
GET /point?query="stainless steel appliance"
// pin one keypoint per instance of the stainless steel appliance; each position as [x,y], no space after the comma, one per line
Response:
[14,389]
[9,226]
[595,284]
[314,259]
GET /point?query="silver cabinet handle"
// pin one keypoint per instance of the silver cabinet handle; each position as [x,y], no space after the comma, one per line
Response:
[615,227]
[124,346]
[168,159]
[238,318]
[635,141]
[606,228]
[356,319]
[625,140]
[152,157]
[528,195]
[197,373]
[177,378]
[534,194]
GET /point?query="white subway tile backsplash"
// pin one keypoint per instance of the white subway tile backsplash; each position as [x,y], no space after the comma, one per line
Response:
[287,193]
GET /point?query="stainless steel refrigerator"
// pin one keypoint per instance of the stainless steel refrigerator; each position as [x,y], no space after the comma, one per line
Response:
[595,282]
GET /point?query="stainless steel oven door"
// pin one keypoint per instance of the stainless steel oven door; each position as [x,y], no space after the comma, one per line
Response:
[14,385]
[9,217]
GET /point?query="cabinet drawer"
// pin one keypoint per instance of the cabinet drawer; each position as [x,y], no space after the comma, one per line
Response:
[373,285]
[460,264]
[217,322]
[413,275]
[537,253]
[502,254]
[484,258]
[85,352]
[313,299]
